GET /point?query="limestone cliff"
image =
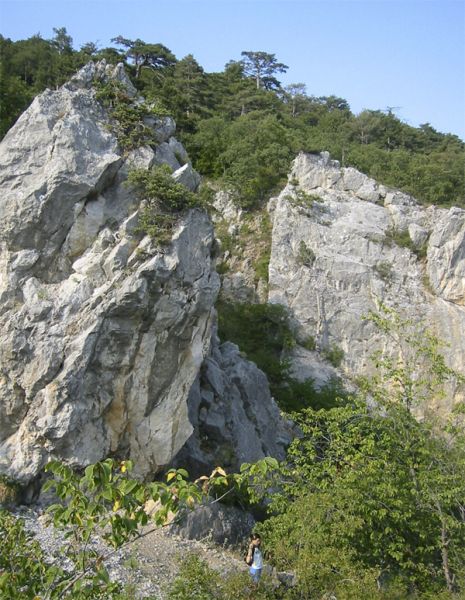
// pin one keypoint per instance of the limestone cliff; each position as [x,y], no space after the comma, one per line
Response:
[102,332]
[342,243]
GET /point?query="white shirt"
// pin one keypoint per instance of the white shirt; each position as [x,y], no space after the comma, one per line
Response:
[257,559]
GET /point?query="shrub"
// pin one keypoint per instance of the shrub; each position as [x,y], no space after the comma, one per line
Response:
[195,581]
[305,256]
[334,355]
[165,200]
[127,116]
[9,491]
[304,199]
[403,240]
[24,572]
[309,343]
[384,270]
[263,332]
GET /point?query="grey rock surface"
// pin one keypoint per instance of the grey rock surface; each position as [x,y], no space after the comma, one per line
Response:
[336,257]
[234,416]
[240,282]
[102,331]
[223,525]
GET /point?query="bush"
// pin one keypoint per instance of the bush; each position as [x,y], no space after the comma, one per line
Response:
[262,331]
[165,200]
[9,491]
[303,199]
[197,581]
[127,116]
[24,572]
[305,256]
[334,355]
[384,270]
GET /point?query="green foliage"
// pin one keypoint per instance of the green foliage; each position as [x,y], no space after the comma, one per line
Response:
[303,199]
[262,331]
[309,343]
[403,240]
[197,581]
[9,491]
[105,500]
[165,200]
[305,256]
[370,500]
[239,125]
[416,371]
[127,115]
[400,238]
[222,268]
[369,503]
[384,270]
[296,395]
[334,355]
[261,242]
[24,571]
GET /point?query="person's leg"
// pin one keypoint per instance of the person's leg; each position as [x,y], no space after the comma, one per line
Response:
[255,574]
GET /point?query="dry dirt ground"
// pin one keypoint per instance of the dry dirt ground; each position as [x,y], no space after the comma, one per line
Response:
[145,567]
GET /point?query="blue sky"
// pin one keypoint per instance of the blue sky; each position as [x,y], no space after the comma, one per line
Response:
[407,54]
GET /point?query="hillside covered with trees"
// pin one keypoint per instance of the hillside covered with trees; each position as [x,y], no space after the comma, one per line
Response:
[241,126]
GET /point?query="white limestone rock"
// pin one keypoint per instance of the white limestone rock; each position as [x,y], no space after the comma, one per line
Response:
[188,177]
[102,332]
[352,264]
[446,256]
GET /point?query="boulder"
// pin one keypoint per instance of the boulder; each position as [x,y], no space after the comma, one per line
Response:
[218,523]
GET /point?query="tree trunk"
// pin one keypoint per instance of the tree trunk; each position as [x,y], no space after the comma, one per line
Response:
[445,554]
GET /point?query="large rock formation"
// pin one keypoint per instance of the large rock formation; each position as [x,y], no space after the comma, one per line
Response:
[102,332]
[234,416]
[342,244]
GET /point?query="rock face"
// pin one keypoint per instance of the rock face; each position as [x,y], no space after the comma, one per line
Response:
[342,244]
[244,239]
[224,525]
[234,416]
[102,332]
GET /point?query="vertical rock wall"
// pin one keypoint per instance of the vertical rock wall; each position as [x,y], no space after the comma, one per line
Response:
[102,333]
[342,244]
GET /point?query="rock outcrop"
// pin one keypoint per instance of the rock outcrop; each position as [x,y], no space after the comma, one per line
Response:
[102,331]
[342,244]
[245,243]
[234,416]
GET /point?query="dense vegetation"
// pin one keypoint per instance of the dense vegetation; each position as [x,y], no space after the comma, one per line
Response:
[240,125]
[263,332]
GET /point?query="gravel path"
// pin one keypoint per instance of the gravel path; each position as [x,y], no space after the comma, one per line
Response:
[146,566]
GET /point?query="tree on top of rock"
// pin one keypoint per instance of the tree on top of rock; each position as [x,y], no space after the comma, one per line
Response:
[262,67]
[156,56]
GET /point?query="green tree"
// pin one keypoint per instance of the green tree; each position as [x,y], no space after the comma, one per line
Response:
[294,94]
[263,67]
[62,41]
[379,492]
[154,56]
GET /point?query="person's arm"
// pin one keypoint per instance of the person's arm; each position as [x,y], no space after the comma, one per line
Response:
[250,554]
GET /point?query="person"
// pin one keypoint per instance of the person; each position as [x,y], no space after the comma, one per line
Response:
[254,557]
